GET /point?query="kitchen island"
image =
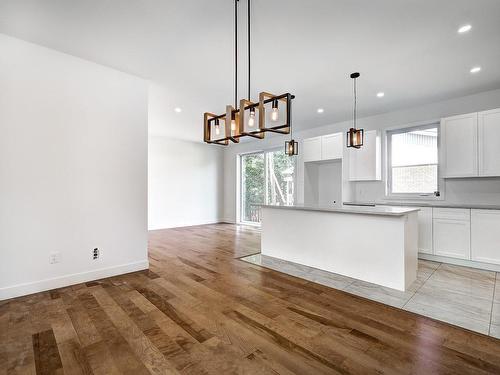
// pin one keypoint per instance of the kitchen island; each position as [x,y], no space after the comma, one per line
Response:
[373,244]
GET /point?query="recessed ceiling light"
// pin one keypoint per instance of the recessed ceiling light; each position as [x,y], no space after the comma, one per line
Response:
[320,110]
[464,29]
[380,94]
[475,69]
[178,110]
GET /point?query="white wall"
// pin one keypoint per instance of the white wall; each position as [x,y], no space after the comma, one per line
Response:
[185,183]
[73,169]
[463,190]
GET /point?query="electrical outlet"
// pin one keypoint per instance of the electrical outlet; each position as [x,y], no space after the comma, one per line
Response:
[54,257]
[95,253]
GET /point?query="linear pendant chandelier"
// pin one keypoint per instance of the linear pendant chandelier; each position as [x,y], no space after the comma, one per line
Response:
[272,113]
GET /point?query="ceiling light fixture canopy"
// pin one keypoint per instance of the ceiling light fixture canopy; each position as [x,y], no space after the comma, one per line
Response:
[355,136]
[250,119]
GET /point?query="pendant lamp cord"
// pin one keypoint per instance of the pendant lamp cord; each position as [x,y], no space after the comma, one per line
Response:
[355,103]
[235,54]
[248,14]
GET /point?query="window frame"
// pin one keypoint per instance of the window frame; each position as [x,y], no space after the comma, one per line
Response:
[440,181]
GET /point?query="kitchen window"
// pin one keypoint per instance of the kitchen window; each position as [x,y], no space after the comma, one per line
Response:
[413,162]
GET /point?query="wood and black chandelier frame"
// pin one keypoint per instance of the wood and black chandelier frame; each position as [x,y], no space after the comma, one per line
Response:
[235,122]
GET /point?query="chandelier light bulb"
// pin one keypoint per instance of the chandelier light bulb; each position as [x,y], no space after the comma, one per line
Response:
[233,125]
[275,113]
[251,119]
[217,127]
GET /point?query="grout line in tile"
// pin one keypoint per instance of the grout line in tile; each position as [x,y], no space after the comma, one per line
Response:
[492,302]
[348,285]
[413,295]
[280,269]
[245,256]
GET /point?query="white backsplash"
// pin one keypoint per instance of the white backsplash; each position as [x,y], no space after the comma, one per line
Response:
[463,190]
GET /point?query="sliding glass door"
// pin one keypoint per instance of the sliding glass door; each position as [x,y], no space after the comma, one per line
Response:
[266,178]
[253,182]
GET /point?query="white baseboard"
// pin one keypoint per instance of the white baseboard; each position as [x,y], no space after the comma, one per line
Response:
[66,280]
[186,224]
[460,262]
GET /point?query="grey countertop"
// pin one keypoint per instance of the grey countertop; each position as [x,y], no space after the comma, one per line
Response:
[351,209]
[437,204]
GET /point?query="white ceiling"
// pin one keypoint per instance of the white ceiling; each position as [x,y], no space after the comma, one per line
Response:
[409,49]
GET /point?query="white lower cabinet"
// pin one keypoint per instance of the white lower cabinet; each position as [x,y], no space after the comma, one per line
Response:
[451,232]
[425,230]
[469,234]
[485,236]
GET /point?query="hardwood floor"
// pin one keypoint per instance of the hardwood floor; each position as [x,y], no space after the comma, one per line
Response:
[198,310]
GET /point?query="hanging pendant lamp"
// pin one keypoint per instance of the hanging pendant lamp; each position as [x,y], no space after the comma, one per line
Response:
[291,148]
[355,136]
[272,113]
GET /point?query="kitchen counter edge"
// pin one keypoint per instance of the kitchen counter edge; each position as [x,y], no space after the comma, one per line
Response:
[382,211]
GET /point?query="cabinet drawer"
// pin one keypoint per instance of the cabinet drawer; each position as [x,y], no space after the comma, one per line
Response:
[451,213]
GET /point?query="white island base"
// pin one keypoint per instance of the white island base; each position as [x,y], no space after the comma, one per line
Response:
[373,244]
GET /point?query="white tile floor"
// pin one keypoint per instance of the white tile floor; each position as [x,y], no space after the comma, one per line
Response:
[463,296]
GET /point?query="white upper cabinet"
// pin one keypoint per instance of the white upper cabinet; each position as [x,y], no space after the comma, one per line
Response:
[485,237]
[365,162]
[326,147]
[459,145]
[312,149]
[489,142]
[332,146]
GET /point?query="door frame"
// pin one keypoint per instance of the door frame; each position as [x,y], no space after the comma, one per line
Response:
[239,182]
